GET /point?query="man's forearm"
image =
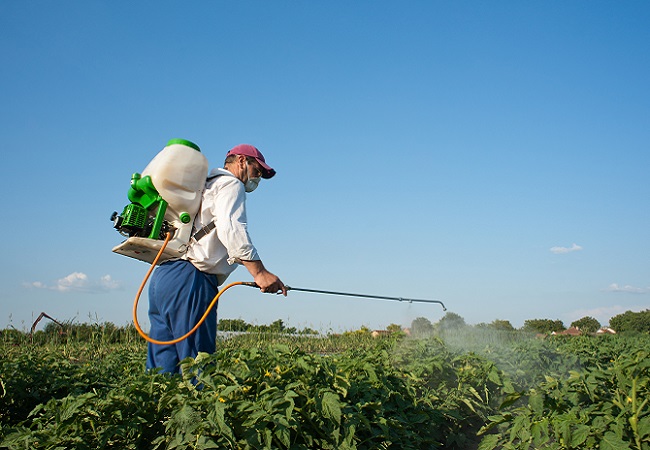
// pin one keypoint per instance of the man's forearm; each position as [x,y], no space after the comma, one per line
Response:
[254,267]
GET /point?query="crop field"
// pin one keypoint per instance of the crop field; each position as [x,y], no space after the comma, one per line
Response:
[462,390]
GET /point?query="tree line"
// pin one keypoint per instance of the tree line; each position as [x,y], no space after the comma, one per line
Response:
[240,325]
[628,322]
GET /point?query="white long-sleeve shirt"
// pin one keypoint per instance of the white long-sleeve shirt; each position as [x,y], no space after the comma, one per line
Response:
[220,251]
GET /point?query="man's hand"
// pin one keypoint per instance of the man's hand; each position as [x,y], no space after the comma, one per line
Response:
[270,283]
[267,281]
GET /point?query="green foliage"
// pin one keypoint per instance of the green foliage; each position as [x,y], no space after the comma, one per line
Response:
[394,328]
[278,398]
[543,325]
[451,321]
[630,322]
[470,388]
[421,327]
[247,398]
[233,325]
[603,408]
[464,387]
[363,332]
[239,325]
[587,324]
[503,325]
[34,375]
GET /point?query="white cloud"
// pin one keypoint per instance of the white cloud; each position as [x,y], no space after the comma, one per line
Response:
[614,287]
[563,250]
[109,283]
[78,282]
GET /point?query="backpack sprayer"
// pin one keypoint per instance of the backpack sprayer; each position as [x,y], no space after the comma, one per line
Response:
[165,198]
[158,222]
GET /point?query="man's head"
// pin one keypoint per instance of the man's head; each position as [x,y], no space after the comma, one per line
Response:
[247,163]
[252,153]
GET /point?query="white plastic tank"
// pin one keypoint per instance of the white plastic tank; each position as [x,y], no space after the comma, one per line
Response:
[178,173]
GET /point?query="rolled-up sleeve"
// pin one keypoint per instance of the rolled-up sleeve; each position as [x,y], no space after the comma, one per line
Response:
[229,208]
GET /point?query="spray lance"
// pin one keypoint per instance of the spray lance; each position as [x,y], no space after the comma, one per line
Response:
[347,294]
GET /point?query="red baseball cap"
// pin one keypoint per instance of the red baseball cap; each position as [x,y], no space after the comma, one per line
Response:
[249,150]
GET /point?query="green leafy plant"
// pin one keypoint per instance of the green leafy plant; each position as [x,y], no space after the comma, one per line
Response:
[604,408]
[467,388]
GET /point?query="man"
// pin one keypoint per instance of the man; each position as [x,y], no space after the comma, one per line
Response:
[181,290]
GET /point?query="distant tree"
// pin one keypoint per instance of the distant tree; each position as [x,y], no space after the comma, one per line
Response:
[277,326]
[503,325]
[543,325]
[274,327]
[451,321]
[394,328]
[52,328]
[308,330]
[233,325]
[631,322]
[587,324]
[363,331]
[421,326]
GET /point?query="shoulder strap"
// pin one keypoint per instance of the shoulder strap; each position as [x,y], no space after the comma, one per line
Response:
[212,225]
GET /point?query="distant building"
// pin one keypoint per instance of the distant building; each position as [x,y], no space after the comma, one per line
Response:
[573,331]
[606,330]
[384,333]
[380,333]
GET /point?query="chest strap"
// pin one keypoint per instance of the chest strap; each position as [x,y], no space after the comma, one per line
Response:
[205,230]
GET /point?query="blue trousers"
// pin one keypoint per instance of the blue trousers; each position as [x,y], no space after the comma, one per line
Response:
[179,295]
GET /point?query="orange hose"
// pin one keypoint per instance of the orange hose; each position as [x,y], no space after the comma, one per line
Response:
[205,315]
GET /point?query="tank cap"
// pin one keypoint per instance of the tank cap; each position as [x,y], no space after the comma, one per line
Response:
[184,142]
[185,217]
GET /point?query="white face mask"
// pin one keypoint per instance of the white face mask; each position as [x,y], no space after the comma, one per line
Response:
[252,183]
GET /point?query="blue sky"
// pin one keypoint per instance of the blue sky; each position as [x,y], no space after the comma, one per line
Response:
[492,155]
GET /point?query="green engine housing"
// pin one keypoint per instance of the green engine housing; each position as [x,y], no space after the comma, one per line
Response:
[145,215]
